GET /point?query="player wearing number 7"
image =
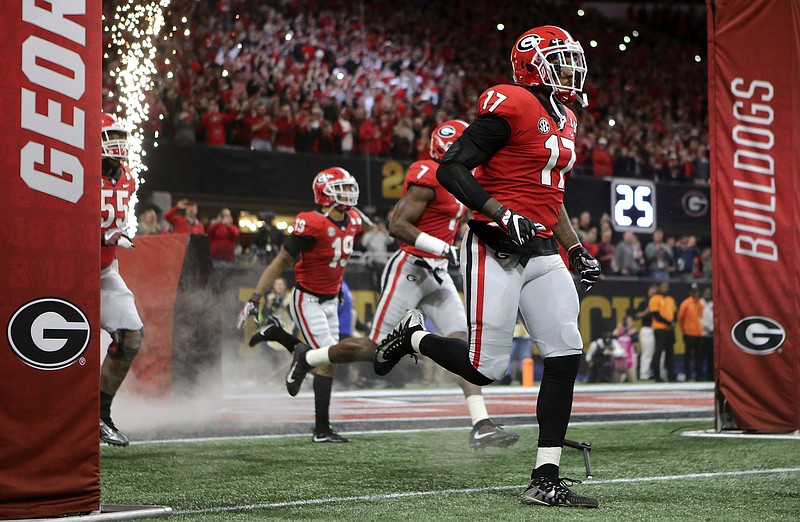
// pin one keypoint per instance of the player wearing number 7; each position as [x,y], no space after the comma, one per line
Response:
[318,248]
[522,145]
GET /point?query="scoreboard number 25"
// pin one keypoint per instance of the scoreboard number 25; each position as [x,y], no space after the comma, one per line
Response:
[633,205]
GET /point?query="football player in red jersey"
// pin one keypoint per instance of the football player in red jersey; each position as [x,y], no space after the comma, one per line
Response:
[118,315]
[523,146]
[425,220]
[318,248]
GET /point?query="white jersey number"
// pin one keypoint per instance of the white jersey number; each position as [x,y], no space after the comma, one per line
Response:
[114,208]
[342,248]
[555,151]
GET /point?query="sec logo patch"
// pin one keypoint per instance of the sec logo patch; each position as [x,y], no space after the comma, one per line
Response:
[48,333]
[544,125]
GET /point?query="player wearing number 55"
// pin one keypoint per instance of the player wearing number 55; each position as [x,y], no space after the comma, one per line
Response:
[318,248]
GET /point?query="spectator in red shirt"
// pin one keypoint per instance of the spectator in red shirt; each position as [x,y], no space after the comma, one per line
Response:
[222,237]
[213,123]
[186,223]
[602,162]
[262,129]
[284,135]
[369,135]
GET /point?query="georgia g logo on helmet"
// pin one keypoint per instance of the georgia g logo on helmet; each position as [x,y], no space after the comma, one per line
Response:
[528,43]
[447,131]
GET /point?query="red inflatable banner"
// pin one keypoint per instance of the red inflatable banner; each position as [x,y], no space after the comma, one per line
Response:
[754,114]
[50,241]
[152,271]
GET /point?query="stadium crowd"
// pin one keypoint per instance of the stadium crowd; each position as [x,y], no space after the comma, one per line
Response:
[344,77]
[363,77]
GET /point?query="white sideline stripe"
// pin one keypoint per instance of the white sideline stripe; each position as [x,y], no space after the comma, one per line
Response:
[388,496]
[383,432]
[580,388]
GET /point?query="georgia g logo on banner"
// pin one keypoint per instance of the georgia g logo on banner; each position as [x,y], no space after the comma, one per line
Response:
[48,333]
[758,335]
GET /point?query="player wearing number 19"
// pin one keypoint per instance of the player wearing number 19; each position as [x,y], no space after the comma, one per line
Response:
[522,145]
[318,248]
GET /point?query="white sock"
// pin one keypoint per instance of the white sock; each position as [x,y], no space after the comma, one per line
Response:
[416,337]
[548,456]
[477,408]
[318,357]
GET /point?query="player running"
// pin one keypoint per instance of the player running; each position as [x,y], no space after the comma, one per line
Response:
[318,248]
[523,146]
[425,221]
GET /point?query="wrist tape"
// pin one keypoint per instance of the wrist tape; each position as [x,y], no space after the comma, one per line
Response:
[431,244]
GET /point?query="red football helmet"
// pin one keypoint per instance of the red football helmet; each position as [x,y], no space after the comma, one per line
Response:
[548,55]
[115,138]
[335,186]
[445,135]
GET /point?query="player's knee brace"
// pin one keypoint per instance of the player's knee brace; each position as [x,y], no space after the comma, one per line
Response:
[126,344]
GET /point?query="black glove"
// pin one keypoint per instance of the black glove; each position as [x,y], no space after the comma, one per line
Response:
[518,228]
[116,237]
[250,309]
[582,261]
[453,255]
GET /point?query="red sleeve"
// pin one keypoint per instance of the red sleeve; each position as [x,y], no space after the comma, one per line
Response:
[170,214]
[501,100]
[422,173]
[305,224]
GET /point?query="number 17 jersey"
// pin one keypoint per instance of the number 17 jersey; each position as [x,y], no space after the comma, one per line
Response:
[529,172]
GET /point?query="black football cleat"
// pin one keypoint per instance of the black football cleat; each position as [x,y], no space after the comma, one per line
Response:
[298,369]
[328,436]
[397,344]
[111,435]
[547,491]
[487,434]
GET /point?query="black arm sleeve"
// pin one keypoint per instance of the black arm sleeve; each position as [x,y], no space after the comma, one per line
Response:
[485,136]
[658,317]
[295,245]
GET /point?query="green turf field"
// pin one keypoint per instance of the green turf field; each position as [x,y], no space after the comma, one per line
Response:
[643,471]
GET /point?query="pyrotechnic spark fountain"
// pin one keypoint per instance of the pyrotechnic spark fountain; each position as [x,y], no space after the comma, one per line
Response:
[133,31]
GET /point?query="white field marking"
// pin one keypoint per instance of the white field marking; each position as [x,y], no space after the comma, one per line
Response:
[399,431]
[389,496]
[736,434]
[676,387]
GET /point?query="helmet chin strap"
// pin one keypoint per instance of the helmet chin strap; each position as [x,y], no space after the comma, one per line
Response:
[562,117]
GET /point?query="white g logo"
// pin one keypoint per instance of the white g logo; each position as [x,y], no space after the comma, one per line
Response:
[528,43]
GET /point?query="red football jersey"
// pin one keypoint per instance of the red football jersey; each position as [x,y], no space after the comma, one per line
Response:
[114,209]
[321,268]
[441,217]
[529,172]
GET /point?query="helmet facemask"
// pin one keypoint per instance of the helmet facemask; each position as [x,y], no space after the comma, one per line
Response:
[115,144]
[563,68]
[344,192]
